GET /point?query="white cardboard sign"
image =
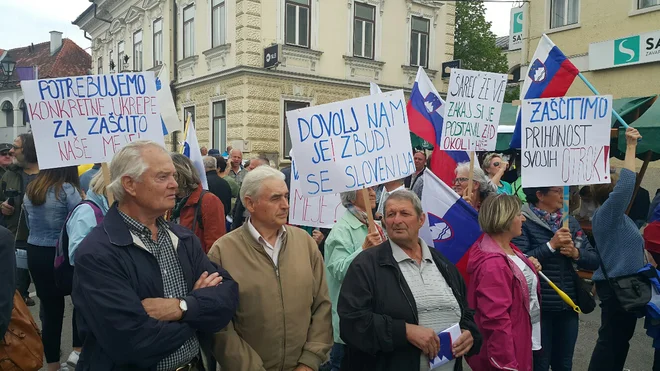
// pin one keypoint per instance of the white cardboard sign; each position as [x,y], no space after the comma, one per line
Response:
[319,211]
[86,119]
[351,144]
[472,110]
[566,141]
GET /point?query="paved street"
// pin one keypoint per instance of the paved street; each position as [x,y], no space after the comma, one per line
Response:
[640,357]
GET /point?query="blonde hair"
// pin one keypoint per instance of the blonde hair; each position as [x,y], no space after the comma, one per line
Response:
[98,184]
[497,213]
[488,159]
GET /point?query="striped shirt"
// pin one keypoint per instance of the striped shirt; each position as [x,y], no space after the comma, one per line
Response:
[437,308]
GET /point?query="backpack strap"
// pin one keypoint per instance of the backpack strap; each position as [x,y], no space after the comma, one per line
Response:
[198,215]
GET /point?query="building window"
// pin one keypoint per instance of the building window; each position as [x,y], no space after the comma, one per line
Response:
[218,23]
[24,112]
[297,22]
[189,31]
[137,51]
[99,66]
[188,112]
[563,12]
[290,106]
[641,4]
[219,139]
[158,42]
[8,112]
[111,63]
[363,30]
[419,42]
[120,55]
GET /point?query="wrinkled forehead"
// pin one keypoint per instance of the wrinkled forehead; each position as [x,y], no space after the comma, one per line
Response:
[157,161]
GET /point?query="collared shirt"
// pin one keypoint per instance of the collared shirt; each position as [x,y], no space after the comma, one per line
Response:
[383,197]
[238,176]
[174,283]
[437,307]
[272,251]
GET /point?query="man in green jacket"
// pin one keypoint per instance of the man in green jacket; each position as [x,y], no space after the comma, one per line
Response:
[348,238]
[12,188]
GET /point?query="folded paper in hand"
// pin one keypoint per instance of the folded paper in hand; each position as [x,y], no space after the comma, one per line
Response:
[447,338]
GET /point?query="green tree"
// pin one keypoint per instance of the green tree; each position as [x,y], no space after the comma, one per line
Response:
[474,42]
[512,93]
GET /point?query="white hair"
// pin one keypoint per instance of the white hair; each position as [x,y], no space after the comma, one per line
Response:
[254,180]
[128,162]
[348,197]
[479,176]
[210,163]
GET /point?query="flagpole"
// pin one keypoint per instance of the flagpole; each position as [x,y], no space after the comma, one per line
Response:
[185,134]
[566,209]
[593,90]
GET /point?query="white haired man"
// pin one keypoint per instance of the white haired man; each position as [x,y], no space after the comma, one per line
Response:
[143,287]
[283,321]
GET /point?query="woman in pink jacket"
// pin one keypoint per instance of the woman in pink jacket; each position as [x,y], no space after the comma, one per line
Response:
[504,290]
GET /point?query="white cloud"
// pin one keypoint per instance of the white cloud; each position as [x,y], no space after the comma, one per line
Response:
[498,14]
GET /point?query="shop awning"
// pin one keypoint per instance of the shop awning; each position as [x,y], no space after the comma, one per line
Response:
[648,125]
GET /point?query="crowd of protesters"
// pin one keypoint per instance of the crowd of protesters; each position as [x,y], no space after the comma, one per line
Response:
[167,275]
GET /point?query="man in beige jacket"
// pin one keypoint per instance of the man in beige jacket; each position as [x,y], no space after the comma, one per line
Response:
[283,321]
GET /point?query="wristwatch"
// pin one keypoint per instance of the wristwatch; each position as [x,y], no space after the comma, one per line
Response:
[183,306]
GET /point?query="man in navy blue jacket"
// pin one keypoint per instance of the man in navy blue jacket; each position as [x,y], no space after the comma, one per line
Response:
[143,289]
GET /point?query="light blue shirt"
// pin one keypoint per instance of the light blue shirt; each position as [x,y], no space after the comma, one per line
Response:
[82,221]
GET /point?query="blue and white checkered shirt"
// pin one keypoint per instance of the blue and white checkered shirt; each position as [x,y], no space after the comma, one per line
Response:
[174,283]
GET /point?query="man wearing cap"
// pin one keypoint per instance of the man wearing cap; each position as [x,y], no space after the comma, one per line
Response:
[6,158]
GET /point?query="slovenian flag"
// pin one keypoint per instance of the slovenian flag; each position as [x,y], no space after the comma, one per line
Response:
[451,225]
[168,116]
[425,116]
[549,75]
[191,150]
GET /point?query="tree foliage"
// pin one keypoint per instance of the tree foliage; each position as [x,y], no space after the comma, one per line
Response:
[474,42]
[512,93]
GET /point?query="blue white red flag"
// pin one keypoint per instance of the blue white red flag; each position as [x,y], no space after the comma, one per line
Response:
[652,232]
[549,75]
[191,150]
[425,116]
[451,225]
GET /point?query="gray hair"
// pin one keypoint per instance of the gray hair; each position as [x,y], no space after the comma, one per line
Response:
[405,195]
[487,160]
[186,174]
[210,163]
[348,197]
[235,149]
[253,181]
[128,162]
[479,176]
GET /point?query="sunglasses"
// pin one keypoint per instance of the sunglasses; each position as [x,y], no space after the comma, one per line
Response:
[5,154]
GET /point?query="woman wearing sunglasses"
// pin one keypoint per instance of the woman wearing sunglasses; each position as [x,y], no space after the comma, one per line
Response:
[495,167]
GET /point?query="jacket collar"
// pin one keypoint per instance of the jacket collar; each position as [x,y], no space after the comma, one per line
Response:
[194,196]
[385,257]
[119,234]
[352,221]
[531,216]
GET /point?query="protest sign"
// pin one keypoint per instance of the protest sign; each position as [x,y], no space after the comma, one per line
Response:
[566,141]
[472,110]
[317,211]
[87,119]
[352,144]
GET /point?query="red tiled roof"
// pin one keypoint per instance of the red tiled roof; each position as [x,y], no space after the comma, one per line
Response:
[70,60]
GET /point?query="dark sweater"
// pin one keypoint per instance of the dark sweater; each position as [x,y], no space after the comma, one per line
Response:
[558,268]
[220,188]
[618,239]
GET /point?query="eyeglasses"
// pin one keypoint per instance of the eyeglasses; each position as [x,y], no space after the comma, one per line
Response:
[15,147]
[5,154]
[460,180]
[557,191]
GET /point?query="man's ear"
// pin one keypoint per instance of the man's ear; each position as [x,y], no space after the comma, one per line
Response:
[129,185]
[249,204]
